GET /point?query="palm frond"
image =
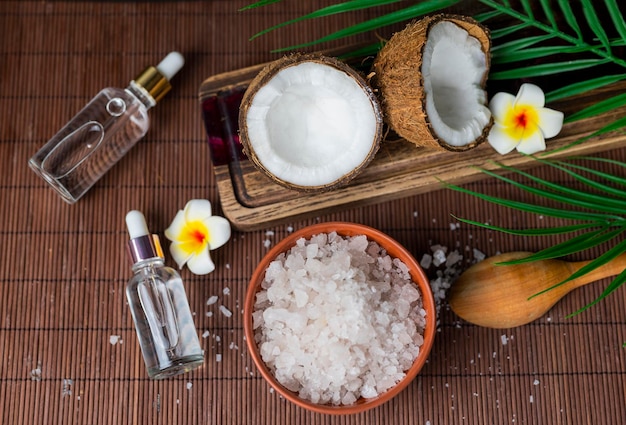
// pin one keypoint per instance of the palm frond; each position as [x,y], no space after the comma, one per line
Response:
[565,195]
[259,3]
[592,229]
[583,86]
[349,6]
[419,9]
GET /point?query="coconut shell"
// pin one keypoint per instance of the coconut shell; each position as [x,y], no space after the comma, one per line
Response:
[265,75]
[398,79]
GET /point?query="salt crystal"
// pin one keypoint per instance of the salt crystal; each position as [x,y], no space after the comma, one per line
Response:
[532,398]
[226,312]
[269,233]
[66,388]
[439,257]
[504,339]
[267,243]
[114,339]
[35,374]
[226,291]
[536,382]
[212,300]
[453,258]
[218,357]
[189,385]
[205,334]
[426,261]
[478,255]
[233,346]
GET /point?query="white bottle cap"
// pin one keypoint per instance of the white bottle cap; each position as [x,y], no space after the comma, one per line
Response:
[171,64]
[136,224]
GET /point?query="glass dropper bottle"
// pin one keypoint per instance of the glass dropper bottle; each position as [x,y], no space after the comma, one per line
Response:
[158,303]
[74,159]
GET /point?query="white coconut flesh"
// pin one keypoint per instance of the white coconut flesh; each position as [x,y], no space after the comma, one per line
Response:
[453,71]
[311,124]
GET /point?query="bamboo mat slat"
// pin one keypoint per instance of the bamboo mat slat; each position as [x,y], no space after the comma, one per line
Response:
[69,350]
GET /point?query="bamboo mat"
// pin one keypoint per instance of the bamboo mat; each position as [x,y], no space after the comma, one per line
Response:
[69,350]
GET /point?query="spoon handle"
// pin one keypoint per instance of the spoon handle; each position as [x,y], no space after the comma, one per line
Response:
[612,268]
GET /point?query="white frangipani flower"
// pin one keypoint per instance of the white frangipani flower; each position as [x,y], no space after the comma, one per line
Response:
[193,233]
[522,122]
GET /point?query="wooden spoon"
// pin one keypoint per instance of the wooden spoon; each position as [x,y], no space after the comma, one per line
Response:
[497,296]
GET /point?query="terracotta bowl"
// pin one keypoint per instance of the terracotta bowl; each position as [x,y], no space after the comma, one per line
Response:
[395,250]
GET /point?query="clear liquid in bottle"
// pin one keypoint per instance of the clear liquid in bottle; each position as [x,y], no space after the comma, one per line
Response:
[74,159]
[92,142]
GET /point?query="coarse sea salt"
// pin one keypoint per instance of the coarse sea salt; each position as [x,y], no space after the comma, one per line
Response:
[338,319]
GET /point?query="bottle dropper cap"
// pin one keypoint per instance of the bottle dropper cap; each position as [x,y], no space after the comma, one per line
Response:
[156,80]
[142,245]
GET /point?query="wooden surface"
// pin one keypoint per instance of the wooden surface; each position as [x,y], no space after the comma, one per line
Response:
[251,200]
[69,350]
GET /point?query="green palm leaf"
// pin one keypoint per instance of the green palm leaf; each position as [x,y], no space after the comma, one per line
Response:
[599,108]
[595,24]
[259,4]
[595,229]
[419,9]
[583,86]
[348,6]
[616,16]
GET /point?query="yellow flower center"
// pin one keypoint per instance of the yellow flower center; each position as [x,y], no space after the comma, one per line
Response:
[521,121]
[194,237]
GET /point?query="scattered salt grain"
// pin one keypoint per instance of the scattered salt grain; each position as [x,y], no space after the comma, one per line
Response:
[226,291]
[189,385]
[35,374]
[212,300]
[536,382]
[269,233]
[338,319]
[226,312]
[453,258]
[233,346]
[532,399]
[439,257]
[209,314]
[426,261]
[114,339]
[218,357]
[66,388]
[504,339]
[206,334]
[478,255]
[267,243]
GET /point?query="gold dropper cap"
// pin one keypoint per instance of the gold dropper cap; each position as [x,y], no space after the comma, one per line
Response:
[155,80]
[154,83]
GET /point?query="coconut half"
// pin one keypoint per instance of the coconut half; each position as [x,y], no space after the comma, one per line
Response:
[431,79]
[310,122]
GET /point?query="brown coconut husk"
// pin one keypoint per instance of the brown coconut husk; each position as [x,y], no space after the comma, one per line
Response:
[265,75]
[398,79]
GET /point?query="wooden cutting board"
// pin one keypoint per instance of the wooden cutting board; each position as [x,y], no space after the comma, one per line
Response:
[252,201]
